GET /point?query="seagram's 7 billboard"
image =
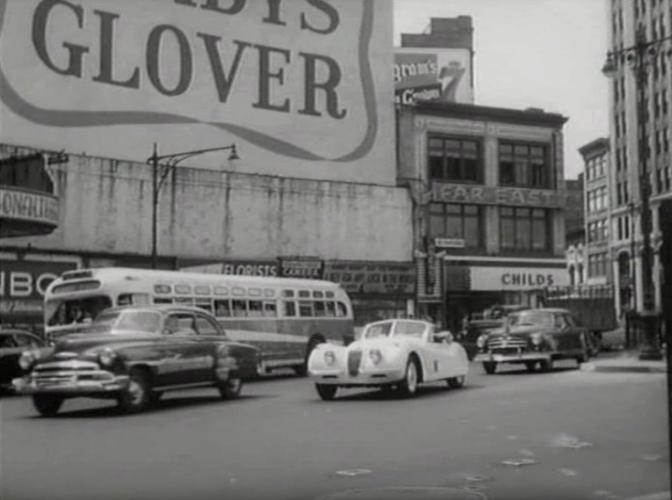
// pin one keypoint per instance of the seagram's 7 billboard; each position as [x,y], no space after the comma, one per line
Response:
[301,86]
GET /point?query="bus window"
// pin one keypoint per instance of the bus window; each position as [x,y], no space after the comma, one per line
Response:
[304,293]
[269,293]
[254,292]
[138,299]
[269,310]
[125,299]
[305,308]
[182,289]
[163,289]
[163,300]
[239,308]
[319,308]
[221,290]
[254,307]
[288,293]
[206,305]
[202,290]
[329,295]
[290,308]
[222,308]
[330,309]
[184,300]
[317,294]
[341,310]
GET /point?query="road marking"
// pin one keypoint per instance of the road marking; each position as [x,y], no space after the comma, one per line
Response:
[518,462]
[353,472]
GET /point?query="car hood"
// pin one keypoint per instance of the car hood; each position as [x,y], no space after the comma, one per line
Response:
[79,343]
[518,331]
[384,343]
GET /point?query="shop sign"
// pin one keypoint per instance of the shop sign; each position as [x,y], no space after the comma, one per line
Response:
[301,267]
[413,95]
[372,277]
[23,284]
[28,206]
[274,76]
[237,268]
[496,195]
[449,242]
[517,278]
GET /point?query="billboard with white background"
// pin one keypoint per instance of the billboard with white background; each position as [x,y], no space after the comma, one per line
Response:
[302,86]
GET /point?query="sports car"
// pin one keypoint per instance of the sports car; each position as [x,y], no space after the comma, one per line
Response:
[393,353]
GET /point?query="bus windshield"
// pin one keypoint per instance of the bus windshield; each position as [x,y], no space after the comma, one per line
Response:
[125,322]
[75,311]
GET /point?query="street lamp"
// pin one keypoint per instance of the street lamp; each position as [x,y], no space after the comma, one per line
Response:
[639,56]
[161,170]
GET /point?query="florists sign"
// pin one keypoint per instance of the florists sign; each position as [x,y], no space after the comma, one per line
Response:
[299,80]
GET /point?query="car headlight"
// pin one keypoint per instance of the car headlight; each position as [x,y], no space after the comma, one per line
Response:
[27,359]
[329,358]
[375,356]
[480,341]
[106,357]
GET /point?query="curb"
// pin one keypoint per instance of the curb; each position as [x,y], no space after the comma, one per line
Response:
[663,495]
[624,368]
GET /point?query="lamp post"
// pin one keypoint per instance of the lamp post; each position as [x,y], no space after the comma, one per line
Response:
[639,57]
[633,263]
[161,170]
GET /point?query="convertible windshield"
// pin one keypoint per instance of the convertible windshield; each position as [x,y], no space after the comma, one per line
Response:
[531,318]
[401,328]
[125,322]
[378,330]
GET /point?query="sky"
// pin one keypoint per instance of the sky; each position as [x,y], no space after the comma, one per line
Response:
[533,53]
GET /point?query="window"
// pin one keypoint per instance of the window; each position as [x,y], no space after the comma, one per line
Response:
[330,309]
[180,324]
[341,310]
[222,308]
[597,264]
[305,308]
[525,165]
[454,159]
[524,229]
[319,308]
[204,304]
[239,308]
[270,310]
[205,327]
[255,308]
[456,221]
[290,308]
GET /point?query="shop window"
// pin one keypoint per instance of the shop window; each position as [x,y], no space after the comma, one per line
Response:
[455,159]
[524,229]
[524,165]
[464,222]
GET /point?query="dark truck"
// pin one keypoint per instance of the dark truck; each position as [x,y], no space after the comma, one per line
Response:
[592,305]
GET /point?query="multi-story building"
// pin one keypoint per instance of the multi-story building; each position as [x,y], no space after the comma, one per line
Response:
[575,234]
[489,195]
[654,124]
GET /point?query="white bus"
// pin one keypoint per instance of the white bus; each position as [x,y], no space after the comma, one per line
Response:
[284,317]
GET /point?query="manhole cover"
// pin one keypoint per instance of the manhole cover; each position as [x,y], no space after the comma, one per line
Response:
[406,493]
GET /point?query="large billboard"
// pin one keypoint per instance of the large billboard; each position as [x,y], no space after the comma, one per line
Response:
[301,87]
[432,74]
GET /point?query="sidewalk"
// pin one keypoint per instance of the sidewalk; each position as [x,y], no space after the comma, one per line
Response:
[625,361]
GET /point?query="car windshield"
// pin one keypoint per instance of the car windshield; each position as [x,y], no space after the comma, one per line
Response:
[75,311]
[377,330]
[409,329]
[126,322]
[531,318]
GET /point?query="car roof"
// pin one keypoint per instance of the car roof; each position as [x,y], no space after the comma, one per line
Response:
[544,309]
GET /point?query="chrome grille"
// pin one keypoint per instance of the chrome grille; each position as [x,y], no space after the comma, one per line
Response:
[354,360]
[55,373]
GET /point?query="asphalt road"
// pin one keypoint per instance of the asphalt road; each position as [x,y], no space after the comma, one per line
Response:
[583,435]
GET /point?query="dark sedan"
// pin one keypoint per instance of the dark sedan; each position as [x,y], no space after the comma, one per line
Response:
[136,353]
[534,337]
[473,330]
[12,344]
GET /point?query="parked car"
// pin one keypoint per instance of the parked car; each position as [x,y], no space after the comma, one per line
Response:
[13,343]
[534,337]
[473,329]
[393,353]
[136,353]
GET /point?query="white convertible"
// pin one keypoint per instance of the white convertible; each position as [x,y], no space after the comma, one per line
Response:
[389,353]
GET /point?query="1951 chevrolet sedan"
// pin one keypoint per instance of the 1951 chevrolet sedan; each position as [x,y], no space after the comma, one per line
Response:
[397,353]
[134,354]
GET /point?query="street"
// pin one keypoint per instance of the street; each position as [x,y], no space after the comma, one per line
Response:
[567,434]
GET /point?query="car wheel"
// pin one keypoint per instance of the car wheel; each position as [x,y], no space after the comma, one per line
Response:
[490,367]
[457,382]
[137,395]
[47,405]
[409,385]
[531,366]
[230,389]
[326,391]
[546,365]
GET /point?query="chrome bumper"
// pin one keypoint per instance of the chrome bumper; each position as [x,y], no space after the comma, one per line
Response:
[70,377]
[512,358]
[363,378]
